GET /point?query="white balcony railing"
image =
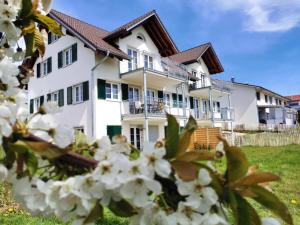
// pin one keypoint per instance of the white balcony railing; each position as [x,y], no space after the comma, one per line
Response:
[155,63]
[214,83]
[155,107]
[224,114]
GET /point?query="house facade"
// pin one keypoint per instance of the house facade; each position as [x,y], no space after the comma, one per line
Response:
[259,108]
[124,81]
[294,102]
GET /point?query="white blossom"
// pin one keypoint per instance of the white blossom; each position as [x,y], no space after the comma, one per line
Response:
[3,173]
[270,221]
[154,159]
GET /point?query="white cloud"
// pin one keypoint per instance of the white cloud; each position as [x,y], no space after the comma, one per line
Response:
[261,15]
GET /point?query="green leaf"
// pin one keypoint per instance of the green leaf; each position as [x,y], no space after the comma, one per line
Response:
[30,28]
[2,153]
[31,162]
[39,43]
[243,212]
[185,170]
[45,149]
[197,156]
[257,178]
[172,138]
[272,202]
[135,153]
[122,208]
[48,23]
[95,214]
[26,9]
[29,42]
[18,147]
[237,163]
[80,139]
[185,137]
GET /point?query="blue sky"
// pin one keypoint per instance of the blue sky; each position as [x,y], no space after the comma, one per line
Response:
[257,40]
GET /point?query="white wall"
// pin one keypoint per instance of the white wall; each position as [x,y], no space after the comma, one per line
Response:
[78,72]
[245,108]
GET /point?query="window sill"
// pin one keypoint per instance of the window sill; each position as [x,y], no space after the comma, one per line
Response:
[112,100]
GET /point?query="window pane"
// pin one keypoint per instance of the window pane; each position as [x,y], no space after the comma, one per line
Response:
[108,90]
[115,91]
[146,61]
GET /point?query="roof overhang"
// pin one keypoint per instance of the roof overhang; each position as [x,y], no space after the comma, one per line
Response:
[84,40]
[211,60]
[156,30]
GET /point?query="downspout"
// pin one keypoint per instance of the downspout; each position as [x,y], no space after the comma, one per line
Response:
[93,91]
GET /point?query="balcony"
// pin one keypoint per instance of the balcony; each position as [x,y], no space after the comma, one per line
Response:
[156,108]
[202,87]
[224,114]
[161,72]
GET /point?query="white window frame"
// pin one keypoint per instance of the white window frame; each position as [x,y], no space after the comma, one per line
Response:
[52,97]
[54,38]
[205,105]
[79,129]
[194,73]
[216,109]
[133,62]
[147,63]
[77,99]
[135,90]
[112,97]
[66,52]
[167,100]
[44,68]
[36,104]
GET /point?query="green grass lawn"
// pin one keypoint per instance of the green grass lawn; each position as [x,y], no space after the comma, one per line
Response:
[284,161]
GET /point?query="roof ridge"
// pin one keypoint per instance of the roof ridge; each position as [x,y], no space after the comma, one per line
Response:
[136,18]
[89,24]
[197,46]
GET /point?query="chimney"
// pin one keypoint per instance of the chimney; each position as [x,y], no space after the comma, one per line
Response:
[232,79]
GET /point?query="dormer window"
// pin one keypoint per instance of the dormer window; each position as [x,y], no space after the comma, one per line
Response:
[141,37]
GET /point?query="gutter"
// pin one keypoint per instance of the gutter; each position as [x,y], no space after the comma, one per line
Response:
[93,93]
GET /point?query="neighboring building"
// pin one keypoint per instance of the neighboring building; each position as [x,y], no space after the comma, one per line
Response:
[124,81]
[294,102]
[258,108]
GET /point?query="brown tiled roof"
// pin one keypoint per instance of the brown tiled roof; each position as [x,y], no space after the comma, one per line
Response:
[190,55]
[294,97]
[131,23]
[90,33]
[205,51]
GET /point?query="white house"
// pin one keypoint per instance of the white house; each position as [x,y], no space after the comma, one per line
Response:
[257,107]
[124,81]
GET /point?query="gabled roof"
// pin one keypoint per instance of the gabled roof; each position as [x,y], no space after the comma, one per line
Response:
[154,27]
[91,35]
[259,88]
[206,52]
[294,97]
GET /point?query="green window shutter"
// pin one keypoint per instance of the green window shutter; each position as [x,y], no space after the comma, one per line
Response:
[174,97]
[69,96]
[42,100]
[85,91]
[191,102]
[48,97]
[38,70]
[61,97]
[49,65]
[49,38]
[160,94]
[74,53]
[124,88]
[101,89]
[31,106]
[60,60]
[113,131]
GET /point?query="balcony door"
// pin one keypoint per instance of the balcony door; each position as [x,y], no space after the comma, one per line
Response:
[150,96]
[136,136]
[134,100]
[197,107]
